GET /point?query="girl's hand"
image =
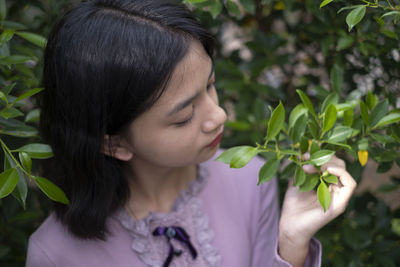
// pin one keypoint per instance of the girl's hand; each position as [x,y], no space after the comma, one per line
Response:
[302,216]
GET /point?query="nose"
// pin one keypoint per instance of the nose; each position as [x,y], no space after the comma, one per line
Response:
[215,118]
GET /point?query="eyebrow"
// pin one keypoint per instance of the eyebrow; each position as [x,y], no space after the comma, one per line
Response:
[187,102]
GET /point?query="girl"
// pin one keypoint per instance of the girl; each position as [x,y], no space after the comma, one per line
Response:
[131,113]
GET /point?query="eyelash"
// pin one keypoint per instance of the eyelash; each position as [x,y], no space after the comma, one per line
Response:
[186,122]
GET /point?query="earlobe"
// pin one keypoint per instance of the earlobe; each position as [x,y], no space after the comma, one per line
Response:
[115,147]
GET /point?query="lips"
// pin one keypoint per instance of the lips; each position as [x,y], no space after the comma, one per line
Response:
[216,140]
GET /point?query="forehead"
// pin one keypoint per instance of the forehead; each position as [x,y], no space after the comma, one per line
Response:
[189,76]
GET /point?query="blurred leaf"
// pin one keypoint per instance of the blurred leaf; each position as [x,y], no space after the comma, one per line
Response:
[51,190]
[362,144]
[304,145]
[364,112]
[310,182]
[8,113]
[16,128]
[268,170]
[243,156]
[215,8]
[391,13]
[348,117]
[371,100]
[324,197]
[233,8]
[387,156]
[276,122]
[26,161]
[238,125]
[299,128]
[34,38]
[378,112]
[21,190]
[339,133]
[306,101]
[33,115]
[8,181]
[383,139]
[388,119]
[3,10]
[344,42]
[332,98]
[314,147]
[28,94]
[329,118]
[331,179]
[36,151]
[14,59]
[390,34]
[299,110]
[299,176]
[7,89]
[321,157]
[355,16]
[6,36]
[248,5]
[336,76]
[324,3]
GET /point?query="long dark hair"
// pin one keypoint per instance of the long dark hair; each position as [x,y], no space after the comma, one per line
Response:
[106,62]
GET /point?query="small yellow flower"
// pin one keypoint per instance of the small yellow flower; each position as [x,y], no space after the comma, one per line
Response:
[363,157]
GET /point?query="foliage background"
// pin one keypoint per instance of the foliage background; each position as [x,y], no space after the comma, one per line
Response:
[267,50]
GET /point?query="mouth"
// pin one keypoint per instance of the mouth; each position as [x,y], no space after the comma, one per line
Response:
[216,140]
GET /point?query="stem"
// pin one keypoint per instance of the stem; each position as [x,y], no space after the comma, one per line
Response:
[7,150]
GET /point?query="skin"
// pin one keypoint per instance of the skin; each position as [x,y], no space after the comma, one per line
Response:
[162,147]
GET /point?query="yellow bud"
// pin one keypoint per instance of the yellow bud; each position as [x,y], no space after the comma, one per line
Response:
[363,157]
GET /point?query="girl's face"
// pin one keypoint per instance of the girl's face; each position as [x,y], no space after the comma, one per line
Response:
[186,123]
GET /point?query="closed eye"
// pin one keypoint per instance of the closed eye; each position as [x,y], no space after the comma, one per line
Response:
[187,121]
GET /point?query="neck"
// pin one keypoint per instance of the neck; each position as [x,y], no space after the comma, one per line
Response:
[156,189]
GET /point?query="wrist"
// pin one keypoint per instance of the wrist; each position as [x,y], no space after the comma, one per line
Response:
[292,248]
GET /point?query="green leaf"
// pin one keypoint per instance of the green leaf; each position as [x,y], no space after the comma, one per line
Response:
[8,113]
[314,147]
[337,144]
[16,128]
[299,128]
[243,156]
[26,161]
[378,112]
[388,119]
[321,157]
[390,34]
[8,181]
[387,156]
[227,155]
[7,89]
[3,10]
[15,59]
[248,5]
[33,115]
[344,42]
[306,101]
[276,122]
[324,3]
[348,117]
[21,190]
[332,98]
[238,125]
[383,139]
[371,100]
[331,179]
[340,133]
[362,144]
[215,8]
[336,77]
[299,176]
[391,13]
[233,8]
[364,112]
[348,7]
[6,36]
[304,145]
[355,16]
[37,151]
[296,113]
[51,190]
[324,197]
[268,170]
[3,97]
[34,38]
[28,94]
[329,118]
[310,182]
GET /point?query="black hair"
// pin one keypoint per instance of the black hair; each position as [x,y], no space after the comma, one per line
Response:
[106,62]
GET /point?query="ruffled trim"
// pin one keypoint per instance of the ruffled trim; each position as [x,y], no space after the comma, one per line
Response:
[143,242]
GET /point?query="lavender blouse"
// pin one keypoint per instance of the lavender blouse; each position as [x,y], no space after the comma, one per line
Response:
[228,220]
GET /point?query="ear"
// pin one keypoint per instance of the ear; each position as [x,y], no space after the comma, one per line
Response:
[115,146]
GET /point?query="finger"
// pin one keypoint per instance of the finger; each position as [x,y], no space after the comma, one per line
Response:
[309,168]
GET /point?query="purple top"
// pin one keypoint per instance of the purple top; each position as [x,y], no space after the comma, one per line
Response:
[229,220]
